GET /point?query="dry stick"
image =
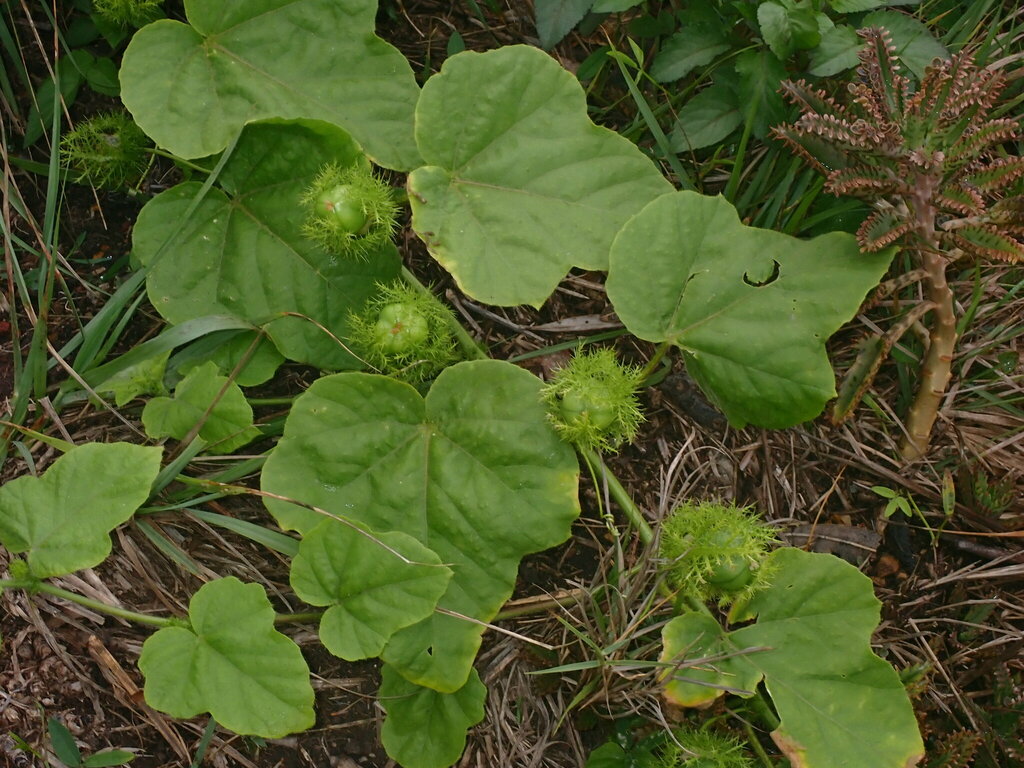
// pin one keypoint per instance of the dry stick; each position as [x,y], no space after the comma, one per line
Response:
[938,361]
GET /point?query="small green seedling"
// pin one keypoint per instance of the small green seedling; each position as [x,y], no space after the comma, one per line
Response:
[897,502]
[67,750]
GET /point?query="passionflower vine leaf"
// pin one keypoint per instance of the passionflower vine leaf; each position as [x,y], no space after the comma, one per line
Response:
[840,705]
[63,518]
[191,87]
[226,425]
[374,583]
[425,728]
[258,356]
[474,472]
[231,663]
[751,309]
[522,186]
[242,252]
[145,377]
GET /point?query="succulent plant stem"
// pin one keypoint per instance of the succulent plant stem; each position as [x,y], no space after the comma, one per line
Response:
[938,360]
[922,157]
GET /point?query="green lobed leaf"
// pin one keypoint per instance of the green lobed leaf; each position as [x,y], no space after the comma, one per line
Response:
[556,18]
[696,45]
[751,309]
[227,426]
[760,77]
[836,52]
[706,119]
[915,45]
[63,518]
[840,705]
[242,252]
[523,185]
[425,728]
[773,20]
[192,88]
[231,663]
[372,592]
[474,472]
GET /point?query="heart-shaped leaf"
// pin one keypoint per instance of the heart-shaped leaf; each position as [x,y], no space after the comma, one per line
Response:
[750,308]
[242,252]
[474,472]
[63,519]
[226,425]
[840,705]
[374,583]
[192,88]
[522,186]
[232,663]
[425,728]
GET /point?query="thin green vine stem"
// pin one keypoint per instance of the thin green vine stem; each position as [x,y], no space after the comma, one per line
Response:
[309,617]
[467,342]
[755,745]
[32,585]
[759,707]
[652,364]
[601,511]
[175,158]
[621,496]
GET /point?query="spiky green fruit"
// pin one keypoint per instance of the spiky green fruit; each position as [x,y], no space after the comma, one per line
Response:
[404,333]
[592,401]
[715,550]
[350,211]
[108,151]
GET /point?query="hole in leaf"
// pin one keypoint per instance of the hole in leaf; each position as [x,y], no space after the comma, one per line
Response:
[767,281]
